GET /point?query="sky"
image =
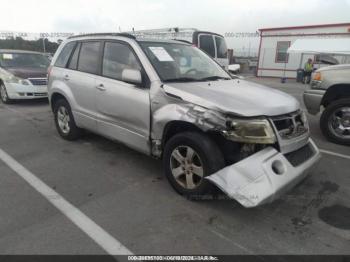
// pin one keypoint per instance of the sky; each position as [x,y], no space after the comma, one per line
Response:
[219,16]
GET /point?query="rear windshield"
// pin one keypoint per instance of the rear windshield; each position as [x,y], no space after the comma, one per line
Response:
[24,60]
[221,48]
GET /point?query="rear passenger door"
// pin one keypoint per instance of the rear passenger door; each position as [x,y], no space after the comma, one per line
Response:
[123,108]
[80,75]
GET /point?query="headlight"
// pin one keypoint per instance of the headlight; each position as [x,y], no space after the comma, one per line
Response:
[17,80]
[304,119]
[257,131]
[317,76]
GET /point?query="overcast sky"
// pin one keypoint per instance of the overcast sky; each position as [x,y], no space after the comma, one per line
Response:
[214,15]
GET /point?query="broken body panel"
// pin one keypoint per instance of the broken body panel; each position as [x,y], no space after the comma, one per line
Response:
[264,175]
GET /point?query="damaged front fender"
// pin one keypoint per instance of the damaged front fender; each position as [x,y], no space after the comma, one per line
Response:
[203,118]
[263,177]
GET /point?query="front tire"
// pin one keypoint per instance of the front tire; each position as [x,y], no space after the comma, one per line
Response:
[64,121]
[335,122]
[188,158]
[3,94]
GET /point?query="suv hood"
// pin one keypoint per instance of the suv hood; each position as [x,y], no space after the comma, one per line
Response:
[25,72]
[334,67]
[238,97]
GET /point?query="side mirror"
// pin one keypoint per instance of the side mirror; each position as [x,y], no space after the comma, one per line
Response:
[132,76]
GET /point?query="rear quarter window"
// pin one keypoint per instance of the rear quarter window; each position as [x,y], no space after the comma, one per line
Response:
[63,57]
[73,63]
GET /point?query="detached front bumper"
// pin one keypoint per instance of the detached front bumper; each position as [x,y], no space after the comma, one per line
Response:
[266,175]
[18,91]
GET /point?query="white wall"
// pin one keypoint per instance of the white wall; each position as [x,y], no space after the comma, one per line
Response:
[269,41]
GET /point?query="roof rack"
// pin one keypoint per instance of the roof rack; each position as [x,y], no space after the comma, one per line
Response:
[104,34]
[164,33]
[183,41]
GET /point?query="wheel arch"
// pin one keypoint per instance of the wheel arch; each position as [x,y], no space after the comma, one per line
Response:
[227,147]
[55,97]
[336,92]
[177,126]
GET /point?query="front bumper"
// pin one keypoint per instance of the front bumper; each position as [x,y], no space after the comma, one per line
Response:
[312,100]
[266,175]
[18,91]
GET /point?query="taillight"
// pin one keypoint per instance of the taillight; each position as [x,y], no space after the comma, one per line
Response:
[49,71]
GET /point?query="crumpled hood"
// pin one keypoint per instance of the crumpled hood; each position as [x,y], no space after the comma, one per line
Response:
[238,97]
[25,73]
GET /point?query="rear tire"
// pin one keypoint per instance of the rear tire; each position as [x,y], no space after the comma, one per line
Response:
[3,94]
[336,118]
[188,158]
[64,121]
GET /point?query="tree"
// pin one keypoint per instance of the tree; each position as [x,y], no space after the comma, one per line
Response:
[30,45]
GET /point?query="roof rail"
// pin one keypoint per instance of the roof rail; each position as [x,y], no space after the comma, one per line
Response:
[183,41]
[164,30]
[104,34]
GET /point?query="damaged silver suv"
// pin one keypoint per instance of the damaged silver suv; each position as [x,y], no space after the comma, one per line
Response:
[170,100]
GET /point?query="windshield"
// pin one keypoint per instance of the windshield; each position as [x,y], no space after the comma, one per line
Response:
[24,60]
[175,62]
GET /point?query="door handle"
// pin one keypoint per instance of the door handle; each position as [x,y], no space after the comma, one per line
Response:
[66,77]
[101,87]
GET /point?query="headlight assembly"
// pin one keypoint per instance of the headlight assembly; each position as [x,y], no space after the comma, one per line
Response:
[17,80]
[317,76]
[256,131]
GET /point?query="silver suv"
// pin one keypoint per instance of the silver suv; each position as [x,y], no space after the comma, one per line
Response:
[170,100]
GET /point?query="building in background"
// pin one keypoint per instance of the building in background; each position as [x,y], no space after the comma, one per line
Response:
[273,59]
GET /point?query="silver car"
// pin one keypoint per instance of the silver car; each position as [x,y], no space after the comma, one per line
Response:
[170,100]
[23,75]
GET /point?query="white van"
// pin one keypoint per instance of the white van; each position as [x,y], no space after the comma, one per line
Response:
[212,43]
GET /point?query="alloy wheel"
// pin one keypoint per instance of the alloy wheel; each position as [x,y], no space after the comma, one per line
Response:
[186,167]
[339,122]
[3,93]
[63,119]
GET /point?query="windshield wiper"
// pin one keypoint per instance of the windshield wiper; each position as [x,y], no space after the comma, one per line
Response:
[181,79]
[214,78]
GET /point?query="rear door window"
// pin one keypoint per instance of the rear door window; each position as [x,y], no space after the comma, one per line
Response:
[63,57]
[221,48]
[89,57]
[206,43]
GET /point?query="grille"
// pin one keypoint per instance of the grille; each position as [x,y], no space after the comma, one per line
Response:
[38,81]
[290,126]
[300,156]
[40,94]
[34,94]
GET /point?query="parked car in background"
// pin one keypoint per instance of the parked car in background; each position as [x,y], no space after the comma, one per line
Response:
[330,89]
[23,75]
[212,43]
[48,55]
[170,100]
